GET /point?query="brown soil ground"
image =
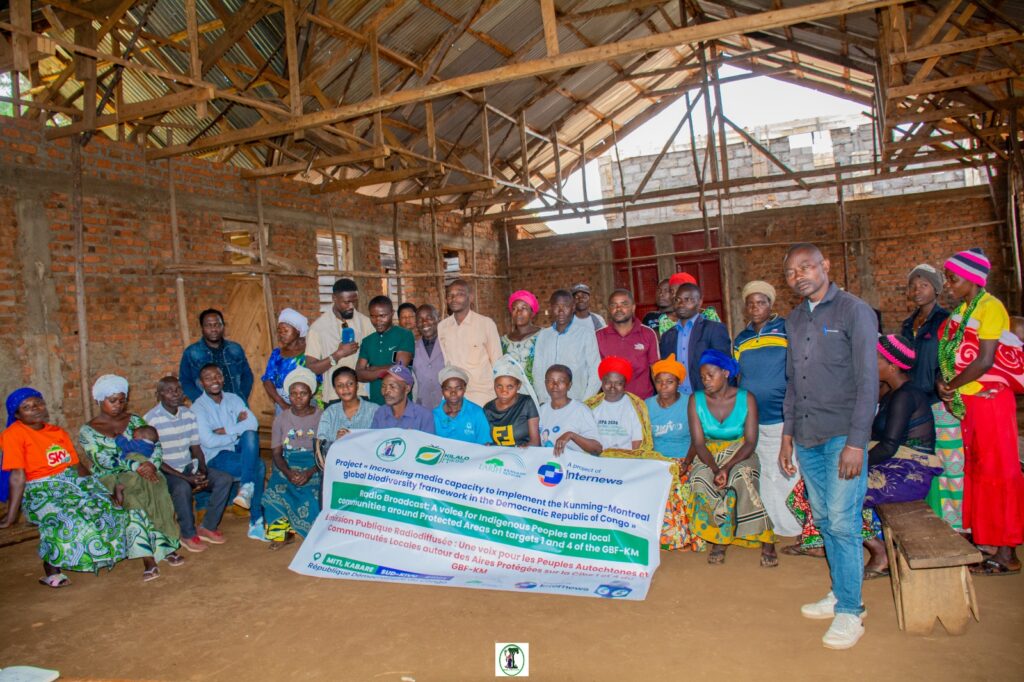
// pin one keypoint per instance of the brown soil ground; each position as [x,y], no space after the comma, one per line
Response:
[237,612]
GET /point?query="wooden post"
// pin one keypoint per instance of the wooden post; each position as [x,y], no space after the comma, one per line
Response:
[583,172]
[485,136]
[292,52]
[841,208]
[547,14]
[398,250]
[625,221]
[179,282]
[558,170]
[522,148]
[378,119]
[508,263]
[262,241]
[437,256]
[83,326]
[195,64]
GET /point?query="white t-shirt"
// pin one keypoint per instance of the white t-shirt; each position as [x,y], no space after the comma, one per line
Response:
[575,416]
[618,424]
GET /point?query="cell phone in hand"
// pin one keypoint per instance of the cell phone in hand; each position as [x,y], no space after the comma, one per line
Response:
[348,335]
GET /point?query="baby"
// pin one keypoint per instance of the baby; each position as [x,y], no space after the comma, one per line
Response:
[143,442]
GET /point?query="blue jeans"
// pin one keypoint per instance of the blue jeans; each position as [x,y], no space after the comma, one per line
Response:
[836,505]
[244,464]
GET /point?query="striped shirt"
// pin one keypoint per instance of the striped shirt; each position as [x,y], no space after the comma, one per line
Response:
[178,433]
[762,358]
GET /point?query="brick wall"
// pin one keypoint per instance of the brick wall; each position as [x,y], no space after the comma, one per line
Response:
[895,233]
[132,315]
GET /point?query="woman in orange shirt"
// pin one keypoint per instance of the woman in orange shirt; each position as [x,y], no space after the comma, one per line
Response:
[80,529]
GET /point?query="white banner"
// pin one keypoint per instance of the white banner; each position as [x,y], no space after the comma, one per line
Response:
[407,506]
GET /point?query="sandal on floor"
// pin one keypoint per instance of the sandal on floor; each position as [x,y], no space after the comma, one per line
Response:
[991,567]
[769,560]
[174,559]
[150,574]
[800,550]
[872,574]
[716,557]
[56,581]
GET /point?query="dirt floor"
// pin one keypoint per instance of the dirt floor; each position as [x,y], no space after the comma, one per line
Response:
[237,612]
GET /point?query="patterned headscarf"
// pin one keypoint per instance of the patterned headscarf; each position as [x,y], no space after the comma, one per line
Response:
[16,398]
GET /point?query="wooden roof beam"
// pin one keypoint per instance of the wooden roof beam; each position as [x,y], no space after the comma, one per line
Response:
[467,188]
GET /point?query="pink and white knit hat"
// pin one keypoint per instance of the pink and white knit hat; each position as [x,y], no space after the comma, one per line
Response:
[897,350]
[972,265]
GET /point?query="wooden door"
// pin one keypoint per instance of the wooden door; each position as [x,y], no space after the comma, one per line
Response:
[644,284]
[705,267]
[246,315]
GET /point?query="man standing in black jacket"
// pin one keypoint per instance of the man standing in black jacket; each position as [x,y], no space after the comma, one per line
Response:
[692,335]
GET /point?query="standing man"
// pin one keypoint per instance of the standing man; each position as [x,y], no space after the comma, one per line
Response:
[831,397]
[470,340]
[581,297]
[184,467]
[626,337]
[333,340]
[212,347]
[761,350]
[428,360]
[388,345]
[228,436]
[691,335]
[571,342]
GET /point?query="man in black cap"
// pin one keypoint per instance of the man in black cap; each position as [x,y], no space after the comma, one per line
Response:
[581,298]
[333,340]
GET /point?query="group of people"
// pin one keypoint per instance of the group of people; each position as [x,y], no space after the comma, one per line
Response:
[796,427]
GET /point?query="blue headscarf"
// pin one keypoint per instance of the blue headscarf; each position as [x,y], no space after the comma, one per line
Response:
[15,399]
[720,359]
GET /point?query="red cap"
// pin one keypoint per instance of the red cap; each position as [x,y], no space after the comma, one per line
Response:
[615,364]
[681,278]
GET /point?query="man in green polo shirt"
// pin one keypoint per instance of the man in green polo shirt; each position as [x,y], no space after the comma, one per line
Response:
[388,346]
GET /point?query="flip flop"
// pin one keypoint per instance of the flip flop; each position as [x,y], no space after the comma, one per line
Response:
[56,581]
[991,567]
[150,574]
[769,561]
[174,559]
[872,574]
[800,550]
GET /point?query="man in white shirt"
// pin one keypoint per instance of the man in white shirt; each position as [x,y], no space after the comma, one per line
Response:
[229,439]
[571,342]
[333,339]
[184,467]
[471,341]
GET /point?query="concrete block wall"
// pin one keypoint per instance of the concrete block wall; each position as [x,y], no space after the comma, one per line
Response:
[132,314]
[895,233]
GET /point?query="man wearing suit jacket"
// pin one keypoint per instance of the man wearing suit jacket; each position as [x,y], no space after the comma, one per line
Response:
[692,335]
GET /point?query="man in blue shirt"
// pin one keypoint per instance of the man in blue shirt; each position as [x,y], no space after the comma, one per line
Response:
[456,417]
[228,436]
[398,412]
[213,348]
[692,335]
[761,350]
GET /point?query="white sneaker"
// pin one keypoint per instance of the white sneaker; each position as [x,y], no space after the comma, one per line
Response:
[822,609]
[244,497]
[256,531]
[845,631]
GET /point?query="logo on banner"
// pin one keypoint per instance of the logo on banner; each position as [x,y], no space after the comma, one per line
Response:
[496,465]
[391,449]
[429,455]
[550,474]
[511,659]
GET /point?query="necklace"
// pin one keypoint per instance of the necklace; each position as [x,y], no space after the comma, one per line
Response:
[948,348]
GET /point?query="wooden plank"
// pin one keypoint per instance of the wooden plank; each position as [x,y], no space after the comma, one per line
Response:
[374,179]
[292,54]
[952,33]
[533,68]
[899,117]
[438,192]
[926,540]
[136,111]
[952,83]
[957,46]
[547,15]
[21,16]
[316,164]
[929,32]
[241,22]
[195,64]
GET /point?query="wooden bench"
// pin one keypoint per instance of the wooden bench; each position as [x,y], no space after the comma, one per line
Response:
[928,568]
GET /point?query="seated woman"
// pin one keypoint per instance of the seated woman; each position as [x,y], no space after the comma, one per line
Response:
[80,529]
[153,534]
[521,342]
[351,412]
[291,501]
[901,455]
[456,417]
[622,420]
[292,327]
[725,503]
[667,410]
[513,413]
[564,422]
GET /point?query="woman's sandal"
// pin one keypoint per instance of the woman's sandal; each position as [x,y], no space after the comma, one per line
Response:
[150,574]
[174,559]
[800,550]
[991,567]
[872,574]
[769,560]
[716,556]
[289,538]
[56,581]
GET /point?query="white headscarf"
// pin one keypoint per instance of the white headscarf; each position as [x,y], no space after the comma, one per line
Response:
[295,319]
[108,385]
[300,375]
[508,366]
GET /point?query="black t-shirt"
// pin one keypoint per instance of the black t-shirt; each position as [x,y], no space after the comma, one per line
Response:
[651,320]
[511,427]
